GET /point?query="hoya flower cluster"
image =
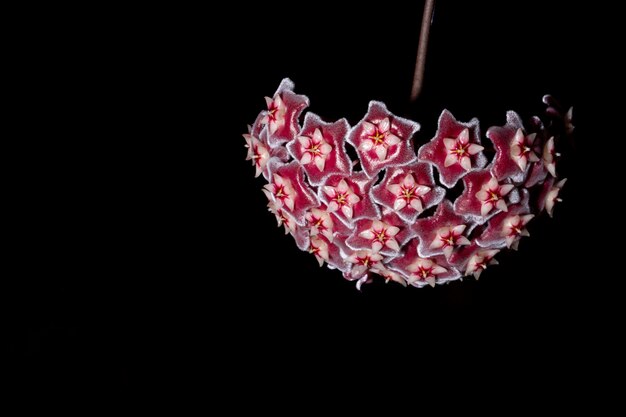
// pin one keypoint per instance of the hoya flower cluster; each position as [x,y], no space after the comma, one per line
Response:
[365,216]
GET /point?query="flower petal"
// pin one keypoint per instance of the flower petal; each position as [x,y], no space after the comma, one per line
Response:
[381,152]
[417,204]
[466,163]
[450,160]
[474,149]
[449,143]
[306,158]
[399,204]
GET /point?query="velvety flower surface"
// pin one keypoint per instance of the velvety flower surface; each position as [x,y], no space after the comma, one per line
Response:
[389,212]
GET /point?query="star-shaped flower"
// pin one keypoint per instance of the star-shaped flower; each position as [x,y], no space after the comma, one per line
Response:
[349,197]
[382,139]
[417,272]
[455,150]
[375,235]
[549,195]
[362,261]
[492,236]
[482,195]
[514,149]
[480,260]
[281,116]
[320,222]
[514,227]
[288,190]
[257,152]
[319,248]
[408,190]
[443,232]
[320,148]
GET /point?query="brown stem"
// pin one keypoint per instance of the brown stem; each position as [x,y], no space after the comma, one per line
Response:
[418,76]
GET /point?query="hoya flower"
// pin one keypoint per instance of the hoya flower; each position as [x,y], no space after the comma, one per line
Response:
[362,261]
[455,150]
[320,148]
[514,227]
[460,150]
[314,149]
[448,238]
[408,190]
[319,248]
[289,191]
[425,270]
[522,149]
[380,235]
[283,111]
[349,197]
[257,152]
[320,222]
[382,139]
[281,192]
[549,195]
[408,193]
[443,232]
[491,195]
[275,116]
[480,260]
[341,197]
[483,195]
[514,149]
[282,217]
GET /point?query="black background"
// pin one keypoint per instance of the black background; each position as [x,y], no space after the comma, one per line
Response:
[175,269]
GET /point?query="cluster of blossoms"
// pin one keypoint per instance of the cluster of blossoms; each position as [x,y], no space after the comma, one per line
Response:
[366,217]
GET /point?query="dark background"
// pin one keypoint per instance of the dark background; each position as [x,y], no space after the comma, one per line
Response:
[175,269]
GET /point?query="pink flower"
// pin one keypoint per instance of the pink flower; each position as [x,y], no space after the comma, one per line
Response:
[314,150]
[281,116]
[282,217]
[381,234]
[549,195]
[425,270]
[382,139]
[480,260]
[280,192]
[319,248]
[408,193]
[289,191]
[443,232]
[408,190]
[460,150]
[257,152]
[341,198]
[514,149]
[455,150]
[448,238]
[491,196]
[522,149]
[362,261]
[378,137]
[320,223]
[349,197]
[514,227]
[275,115]
[320,148]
